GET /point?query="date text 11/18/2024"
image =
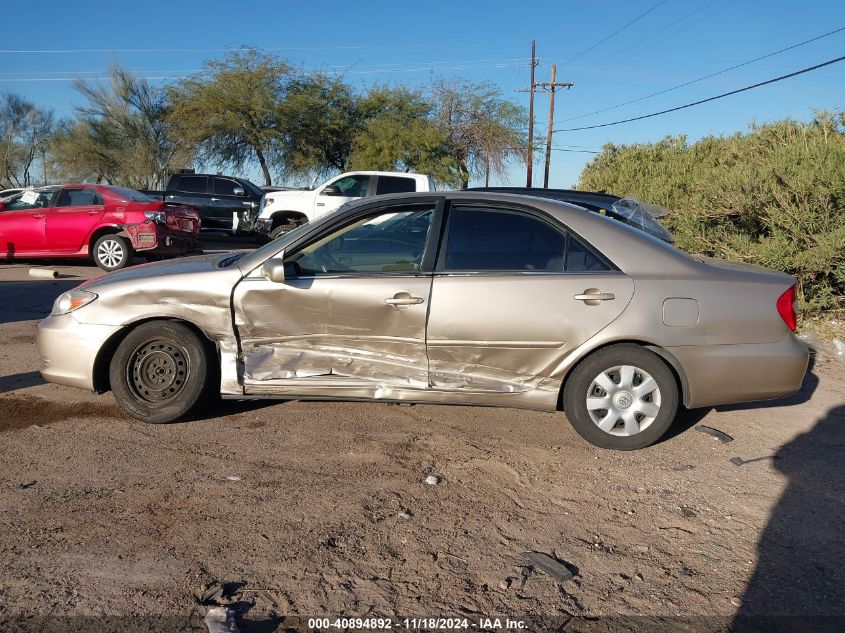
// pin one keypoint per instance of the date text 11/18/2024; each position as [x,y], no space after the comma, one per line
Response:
[444,624]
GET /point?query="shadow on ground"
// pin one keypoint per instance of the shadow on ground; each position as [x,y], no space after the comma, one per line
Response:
[799,581]
[20,381]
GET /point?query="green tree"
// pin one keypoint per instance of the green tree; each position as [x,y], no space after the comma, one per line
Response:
[483,130]
[25,132]
[318,116]
[774,196]
[399,134]
[122,135]
[231,112]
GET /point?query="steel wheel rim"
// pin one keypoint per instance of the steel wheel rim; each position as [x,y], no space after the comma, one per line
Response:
[623,400]
[110,253]
[158,370]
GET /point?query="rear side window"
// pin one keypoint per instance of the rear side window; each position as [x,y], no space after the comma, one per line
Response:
[395,184]
[581,258]
[485,239]
[226,187]
[491,239]
[191,184]
[78,198]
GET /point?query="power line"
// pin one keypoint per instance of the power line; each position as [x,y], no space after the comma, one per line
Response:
[616,32]
[695,103]
[207,50]
[639,43]
[721,72]
[347,70]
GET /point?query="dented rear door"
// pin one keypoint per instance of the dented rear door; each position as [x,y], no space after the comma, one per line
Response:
[511,298]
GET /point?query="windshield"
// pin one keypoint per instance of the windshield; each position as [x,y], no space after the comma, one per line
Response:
[29,199]
[130,195]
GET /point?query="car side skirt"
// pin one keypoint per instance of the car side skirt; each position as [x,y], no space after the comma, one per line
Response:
[540,399]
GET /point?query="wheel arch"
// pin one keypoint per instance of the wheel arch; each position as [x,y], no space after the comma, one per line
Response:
[102,361]
[278,216]
[104,230]
[675,366]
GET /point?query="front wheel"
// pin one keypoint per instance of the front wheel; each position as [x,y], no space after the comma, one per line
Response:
[161,371]
[622,397]
[112,252]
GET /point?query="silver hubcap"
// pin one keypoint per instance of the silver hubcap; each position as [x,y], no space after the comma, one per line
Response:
[623,400]
[110,253]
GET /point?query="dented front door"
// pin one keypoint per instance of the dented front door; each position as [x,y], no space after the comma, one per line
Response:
[350,317]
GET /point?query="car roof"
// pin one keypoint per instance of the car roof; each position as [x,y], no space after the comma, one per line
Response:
[552,193]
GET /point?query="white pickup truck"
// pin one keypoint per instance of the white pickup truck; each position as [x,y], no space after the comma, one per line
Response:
[281,211]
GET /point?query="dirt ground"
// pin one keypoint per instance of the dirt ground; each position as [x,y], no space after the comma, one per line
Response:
[321,509]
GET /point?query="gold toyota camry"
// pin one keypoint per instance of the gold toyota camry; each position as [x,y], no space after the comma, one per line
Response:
[469,298]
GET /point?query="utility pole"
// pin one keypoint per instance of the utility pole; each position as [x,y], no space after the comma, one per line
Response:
[551,87]
[530,159]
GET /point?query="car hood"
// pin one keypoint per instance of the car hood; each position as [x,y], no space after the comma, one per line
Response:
[287,193]
[181,266]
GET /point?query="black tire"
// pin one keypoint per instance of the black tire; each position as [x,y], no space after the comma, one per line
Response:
[580,384]
[288,224]
[162,371]
[112,252]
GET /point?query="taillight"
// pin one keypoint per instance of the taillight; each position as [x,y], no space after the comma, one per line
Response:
[786,307]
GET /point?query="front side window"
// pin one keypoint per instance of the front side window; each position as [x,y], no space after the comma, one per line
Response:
[353,186]
[192,184]
[226,187]
[486,239]
[78,198]
[391,241]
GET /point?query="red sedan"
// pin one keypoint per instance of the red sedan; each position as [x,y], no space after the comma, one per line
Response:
[107,223]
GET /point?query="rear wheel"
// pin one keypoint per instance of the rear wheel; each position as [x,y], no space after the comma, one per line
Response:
[112,252]
[161,371]
[622,397]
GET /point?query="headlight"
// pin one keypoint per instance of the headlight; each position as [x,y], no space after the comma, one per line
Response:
[157,216]
[70,301]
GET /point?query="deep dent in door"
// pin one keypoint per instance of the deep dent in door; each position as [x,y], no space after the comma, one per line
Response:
[338,342]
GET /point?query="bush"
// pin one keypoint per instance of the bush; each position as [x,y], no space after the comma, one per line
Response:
[774,196]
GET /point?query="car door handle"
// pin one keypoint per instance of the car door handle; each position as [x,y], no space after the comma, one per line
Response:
[93,213]
[38,215]
[403,299]
[593,297]
[321,204]
[215,199]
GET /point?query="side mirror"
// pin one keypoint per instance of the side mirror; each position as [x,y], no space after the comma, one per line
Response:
[238,191]
[274,269]
[2,205]
[331,190]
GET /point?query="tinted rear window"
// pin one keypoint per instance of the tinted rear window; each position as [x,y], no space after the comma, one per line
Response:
[192,184]
[482,239]
[395,184]
[130,195]
[78,198]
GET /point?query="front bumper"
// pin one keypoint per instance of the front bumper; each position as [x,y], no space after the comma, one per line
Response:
[729,374]
[263,226]
[246,221]
[68,349]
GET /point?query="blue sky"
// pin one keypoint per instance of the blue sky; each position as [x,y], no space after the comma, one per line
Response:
[402,42]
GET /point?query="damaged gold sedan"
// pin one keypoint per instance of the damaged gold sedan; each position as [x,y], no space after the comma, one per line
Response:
[455,298]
